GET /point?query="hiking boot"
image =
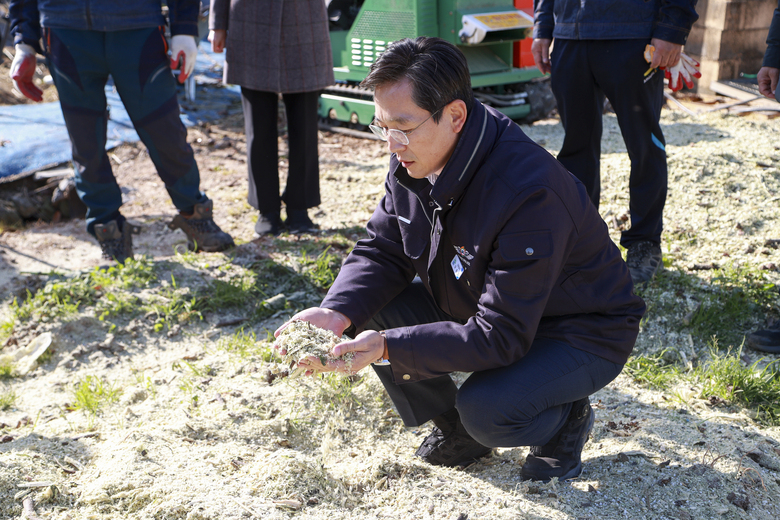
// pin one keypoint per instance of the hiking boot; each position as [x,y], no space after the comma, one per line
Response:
[116,244]
[766,340]
[449,445]
[562,456]
[299,223]
[643,259]
[268,224]
[203,234]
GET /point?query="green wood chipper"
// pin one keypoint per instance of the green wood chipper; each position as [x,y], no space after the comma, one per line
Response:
[494,35]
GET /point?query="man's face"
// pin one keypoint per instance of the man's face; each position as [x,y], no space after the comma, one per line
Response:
[431,144]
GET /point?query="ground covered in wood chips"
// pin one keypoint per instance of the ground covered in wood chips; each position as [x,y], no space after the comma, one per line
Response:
[158,398]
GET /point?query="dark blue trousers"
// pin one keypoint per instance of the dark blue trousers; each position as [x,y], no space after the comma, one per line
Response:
[583,72]
[523,404]
[81,62]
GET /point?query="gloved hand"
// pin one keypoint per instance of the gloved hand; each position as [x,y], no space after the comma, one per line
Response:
[22,71]
[184,49]
[685,70]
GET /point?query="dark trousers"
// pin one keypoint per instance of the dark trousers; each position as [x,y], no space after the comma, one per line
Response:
[81,62]
[583,72]
[523,404]
[303,178]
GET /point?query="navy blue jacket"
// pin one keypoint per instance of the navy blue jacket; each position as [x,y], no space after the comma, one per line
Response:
[772,54]
[668,20]
[538,259]
[27,16]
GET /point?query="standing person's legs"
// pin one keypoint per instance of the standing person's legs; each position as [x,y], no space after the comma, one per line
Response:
[637,101]
[262,154]
[138,63]
[77,62]
[302,190]
[580,104]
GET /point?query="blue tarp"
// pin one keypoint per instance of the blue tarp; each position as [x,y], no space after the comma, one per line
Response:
[34,137]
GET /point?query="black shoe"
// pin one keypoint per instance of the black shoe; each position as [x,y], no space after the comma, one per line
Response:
[766,340]
[643,260]
[116,244]
[299,223]
[268,224]
[450,446]
[203,234]
[562,456]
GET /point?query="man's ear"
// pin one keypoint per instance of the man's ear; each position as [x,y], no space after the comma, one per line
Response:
[456,115]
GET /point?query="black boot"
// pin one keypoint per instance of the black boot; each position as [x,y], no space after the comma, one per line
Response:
[449,444]
[562,456]
[115,241]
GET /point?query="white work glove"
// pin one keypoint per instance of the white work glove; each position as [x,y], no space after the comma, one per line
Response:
[22,71]
[685,70]
[184,49]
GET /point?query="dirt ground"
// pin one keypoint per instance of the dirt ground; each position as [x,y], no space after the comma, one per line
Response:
[200,433]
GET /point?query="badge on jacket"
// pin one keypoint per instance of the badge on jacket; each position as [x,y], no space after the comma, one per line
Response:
[457,267]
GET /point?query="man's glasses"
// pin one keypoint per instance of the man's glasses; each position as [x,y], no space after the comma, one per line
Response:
[399,136]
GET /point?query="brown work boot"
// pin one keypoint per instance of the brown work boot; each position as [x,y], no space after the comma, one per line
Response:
[203,234]
[116,244]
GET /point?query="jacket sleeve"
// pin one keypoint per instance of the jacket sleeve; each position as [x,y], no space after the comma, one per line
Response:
[512,302]
[376,271]
[26,23]
[772,55]
[183,15]
[675,19]
[219,15]
[544,23]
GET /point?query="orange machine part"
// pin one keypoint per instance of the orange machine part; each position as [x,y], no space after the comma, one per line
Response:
[522,49]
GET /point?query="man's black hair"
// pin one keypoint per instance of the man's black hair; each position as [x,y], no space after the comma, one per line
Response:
[436,69]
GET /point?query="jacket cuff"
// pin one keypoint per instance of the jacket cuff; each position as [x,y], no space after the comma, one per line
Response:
[772,57]
[670,34]
[543,31]
[189,28]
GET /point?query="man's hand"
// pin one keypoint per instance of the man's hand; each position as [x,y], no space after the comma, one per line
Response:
[184,50]
[217,38]
[666,54]
[541,51]
[22,71]
[367,347]
[767,81]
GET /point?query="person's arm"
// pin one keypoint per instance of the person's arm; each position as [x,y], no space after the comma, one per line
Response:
[219,17]
[183,19]
[769,74]
[26,28]
[25,23]
[673,24]
[544,23]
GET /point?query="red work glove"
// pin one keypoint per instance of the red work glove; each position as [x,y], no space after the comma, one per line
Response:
[22,71]
[184,50]
[685,70]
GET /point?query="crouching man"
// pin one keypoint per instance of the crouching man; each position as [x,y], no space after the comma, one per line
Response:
[485,256]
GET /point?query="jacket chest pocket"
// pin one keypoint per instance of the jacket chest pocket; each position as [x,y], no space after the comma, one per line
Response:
[523,263]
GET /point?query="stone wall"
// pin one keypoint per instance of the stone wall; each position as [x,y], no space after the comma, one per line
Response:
[729,38]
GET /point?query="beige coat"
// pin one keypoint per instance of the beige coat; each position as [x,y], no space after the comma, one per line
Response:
[275,45]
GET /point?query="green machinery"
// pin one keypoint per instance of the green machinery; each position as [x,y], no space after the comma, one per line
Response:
[485,30]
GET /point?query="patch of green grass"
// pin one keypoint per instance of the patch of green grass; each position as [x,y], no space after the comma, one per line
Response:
[653,371]
[322,269]
[243,343]
[173,306]
[7,399]
[6,371]
[91,394]
[722,375]
[726,377]
[63,296]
